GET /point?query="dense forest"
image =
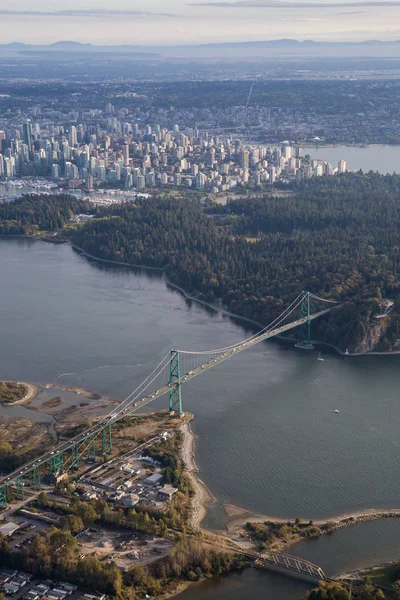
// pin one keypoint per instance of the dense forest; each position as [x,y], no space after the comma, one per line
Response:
[337,237]
[33,213]
[56,554]
[365,591]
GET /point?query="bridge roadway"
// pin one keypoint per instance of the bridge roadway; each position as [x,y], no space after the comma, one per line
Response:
[116,416]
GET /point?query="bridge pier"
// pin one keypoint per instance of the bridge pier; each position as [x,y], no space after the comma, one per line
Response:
[91,449]
[175,393]
[57,463]
[75,456]
[106,440]
[305,330]
[3,496]
[36,478]
[19,489]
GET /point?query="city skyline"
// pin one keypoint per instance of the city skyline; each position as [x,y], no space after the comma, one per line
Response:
[155,22]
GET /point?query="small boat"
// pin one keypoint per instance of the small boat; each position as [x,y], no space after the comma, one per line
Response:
[320,357]
[336,411]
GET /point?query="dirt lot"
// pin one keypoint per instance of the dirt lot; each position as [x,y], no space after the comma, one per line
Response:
[143,427]
[124,549]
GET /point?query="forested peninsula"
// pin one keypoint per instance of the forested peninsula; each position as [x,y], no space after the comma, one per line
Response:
[338,237]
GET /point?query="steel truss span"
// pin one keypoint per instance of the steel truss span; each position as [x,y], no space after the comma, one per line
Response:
[175,369]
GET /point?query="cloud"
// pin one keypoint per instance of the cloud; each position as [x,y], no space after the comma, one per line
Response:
[97,13]
[292,5]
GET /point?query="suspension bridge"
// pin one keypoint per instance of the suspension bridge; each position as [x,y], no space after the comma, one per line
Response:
[174,370]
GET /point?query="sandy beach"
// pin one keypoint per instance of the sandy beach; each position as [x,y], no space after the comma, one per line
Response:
[202,497]
[237,517]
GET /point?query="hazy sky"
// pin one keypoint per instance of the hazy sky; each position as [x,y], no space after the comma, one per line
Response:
[185,21]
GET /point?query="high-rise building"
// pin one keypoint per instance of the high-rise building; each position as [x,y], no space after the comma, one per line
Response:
[272,175]
[9,167]
[342,166]
[55,171]
[287,152]
[135,174]
[141,182]
[89,182]
[200,181]
[319,170]
[211,158]
[126,155]
[244,159]
[27,131]
[73,136]
[151,179]
[71,171]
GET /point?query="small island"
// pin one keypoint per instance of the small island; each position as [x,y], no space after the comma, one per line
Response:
[15,391]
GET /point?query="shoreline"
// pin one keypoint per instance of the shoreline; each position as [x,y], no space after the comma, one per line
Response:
[236,527]
[237,517]
[202,497]
[168,282]
[74,390]
[214,307]
[243,516]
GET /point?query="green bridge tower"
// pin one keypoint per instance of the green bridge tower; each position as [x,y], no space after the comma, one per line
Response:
[175,393]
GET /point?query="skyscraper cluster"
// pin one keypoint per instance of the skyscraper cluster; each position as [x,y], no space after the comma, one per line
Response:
[107,151]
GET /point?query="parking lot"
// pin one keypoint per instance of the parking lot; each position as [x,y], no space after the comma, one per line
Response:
[23,536]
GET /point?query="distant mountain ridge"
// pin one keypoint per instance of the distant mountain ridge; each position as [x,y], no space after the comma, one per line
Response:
[71,45]
[267,49]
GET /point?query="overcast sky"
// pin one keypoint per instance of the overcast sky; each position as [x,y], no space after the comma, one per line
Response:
[181,21]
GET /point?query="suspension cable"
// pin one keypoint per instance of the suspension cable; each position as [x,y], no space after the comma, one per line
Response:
[117,412]
[322,299]
[288,310]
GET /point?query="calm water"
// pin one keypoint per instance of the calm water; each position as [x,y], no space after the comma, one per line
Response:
[351,548]
[247,585]
[382,158]
[268,437]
